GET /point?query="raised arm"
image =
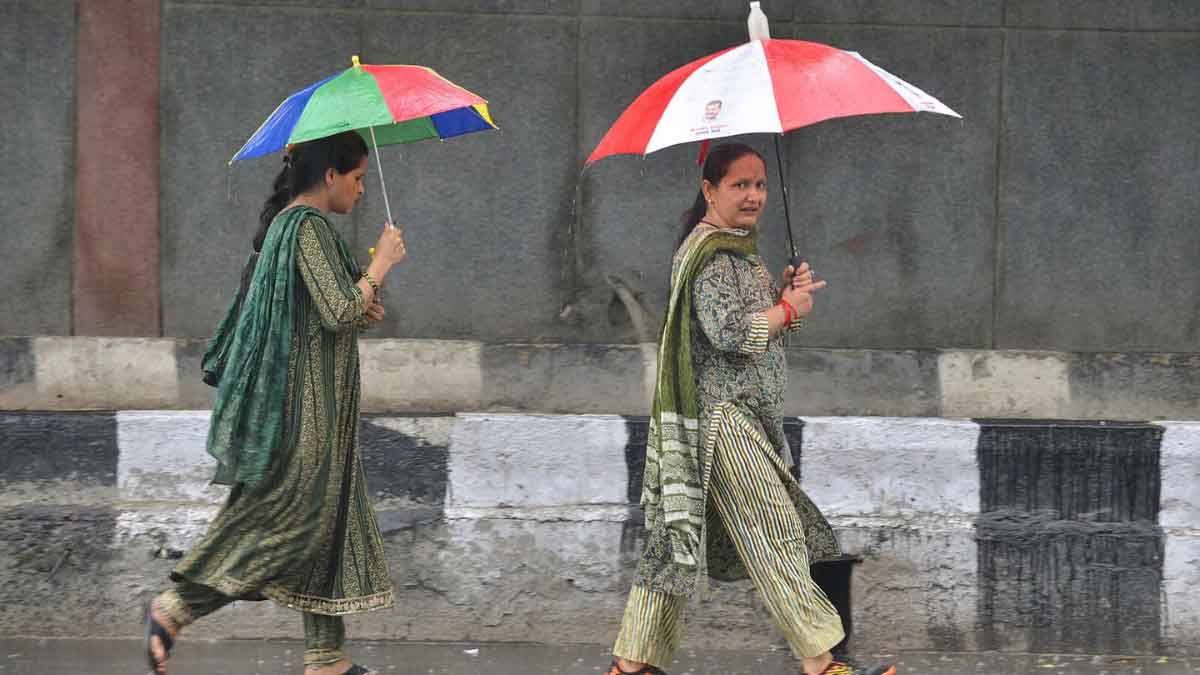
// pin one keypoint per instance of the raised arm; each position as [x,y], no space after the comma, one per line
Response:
[339,299]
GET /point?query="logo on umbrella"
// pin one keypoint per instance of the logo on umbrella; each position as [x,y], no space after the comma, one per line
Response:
[708,124]
[712,109]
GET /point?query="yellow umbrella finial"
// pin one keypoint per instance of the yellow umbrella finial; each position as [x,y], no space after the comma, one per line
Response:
[357,65]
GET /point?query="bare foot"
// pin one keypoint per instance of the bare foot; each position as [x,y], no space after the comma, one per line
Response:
[156,645]
[817,664]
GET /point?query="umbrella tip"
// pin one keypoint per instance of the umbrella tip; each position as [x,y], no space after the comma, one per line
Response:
[354,60]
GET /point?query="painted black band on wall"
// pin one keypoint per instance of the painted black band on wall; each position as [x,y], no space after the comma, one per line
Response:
[57,446]
[1070,552]
[17,363]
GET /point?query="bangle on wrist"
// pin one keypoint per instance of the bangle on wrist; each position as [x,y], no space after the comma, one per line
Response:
[371,282]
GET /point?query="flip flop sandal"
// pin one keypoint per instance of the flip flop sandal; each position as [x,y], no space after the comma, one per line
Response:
[156,629]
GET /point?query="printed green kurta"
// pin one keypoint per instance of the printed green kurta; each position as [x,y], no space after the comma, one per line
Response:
[740,377]
[305,535]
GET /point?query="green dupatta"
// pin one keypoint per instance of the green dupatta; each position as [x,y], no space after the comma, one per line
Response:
[249,355]
[673,487]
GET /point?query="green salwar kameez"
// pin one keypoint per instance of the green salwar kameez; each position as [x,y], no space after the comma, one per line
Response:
[304,535]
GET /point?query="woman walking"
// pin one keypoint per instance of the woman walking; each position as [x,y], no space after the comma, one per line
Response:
[718,496]
[298,527]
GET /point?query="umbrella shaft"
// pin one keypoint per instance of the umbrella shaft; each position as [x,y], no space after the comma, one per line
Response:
[382,185]
[787,209]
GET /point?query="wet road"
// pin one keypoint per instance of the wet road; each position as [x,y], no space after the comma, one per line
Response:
[249,657]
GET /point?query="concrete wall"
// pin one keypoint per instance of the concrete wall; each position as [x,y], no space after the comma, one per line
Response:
[450,376]
[37,181]
[1060,214]
[973,534]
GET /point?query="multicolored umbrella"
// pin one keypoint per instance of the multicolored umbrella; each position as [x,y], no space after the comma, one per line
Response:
[386,104]
[763,86]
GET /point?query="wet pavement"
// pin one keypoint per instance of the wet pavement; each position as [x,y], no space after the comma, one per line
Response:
[248,657]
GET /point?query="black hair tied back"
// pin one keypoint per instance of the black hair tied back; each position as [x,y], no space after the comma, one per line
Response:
[304,166]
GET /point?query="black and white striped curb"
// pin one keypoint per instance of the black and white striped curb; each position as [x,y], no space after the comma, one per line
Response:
[990,534]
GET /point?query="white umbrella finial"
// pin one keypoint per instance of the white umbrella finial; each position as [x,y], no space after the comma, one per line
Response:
[757,24]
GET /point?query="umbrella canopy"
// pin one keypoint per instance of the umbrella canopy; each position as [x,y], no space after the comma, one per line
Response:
[386,104]
[763,86]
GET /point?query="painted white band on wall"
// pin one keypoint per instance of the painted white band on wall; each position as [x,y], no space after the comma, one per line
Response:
[894,467]
[1180,520]
[537,460]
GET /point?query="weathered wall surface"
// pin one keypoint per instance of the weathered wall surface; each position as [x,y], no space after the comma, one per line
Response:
[973,534]
[1060,214]
[37,135]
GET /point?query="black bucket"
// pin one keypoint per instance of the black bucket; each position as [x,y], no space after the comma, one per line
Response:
[833,576]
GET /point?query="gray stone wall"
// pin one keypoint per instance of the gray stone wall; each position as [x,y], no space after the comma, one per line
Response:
[37,189]
[1059,214]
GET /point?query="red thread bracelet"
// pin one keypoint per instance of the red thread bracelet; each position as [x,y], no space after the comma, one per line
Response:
[789,311]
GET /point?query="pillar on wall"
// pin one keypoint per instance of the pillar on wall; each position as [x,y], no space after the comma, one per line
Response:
[116,256]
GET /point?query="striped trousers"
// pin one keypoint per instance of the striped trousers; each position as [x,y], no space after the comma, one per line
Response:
[750,499]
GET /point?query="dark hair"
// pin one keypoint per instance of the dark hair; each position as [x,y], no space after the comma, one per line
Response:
[303,167]
[716,165]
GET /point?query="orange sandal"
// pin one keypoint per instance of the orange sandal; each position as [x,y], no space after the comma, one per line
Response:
[645,670]
[843,668]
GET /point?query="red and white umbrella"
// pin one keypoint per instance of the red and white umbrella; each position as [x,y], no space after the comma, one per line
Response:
[763,86]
